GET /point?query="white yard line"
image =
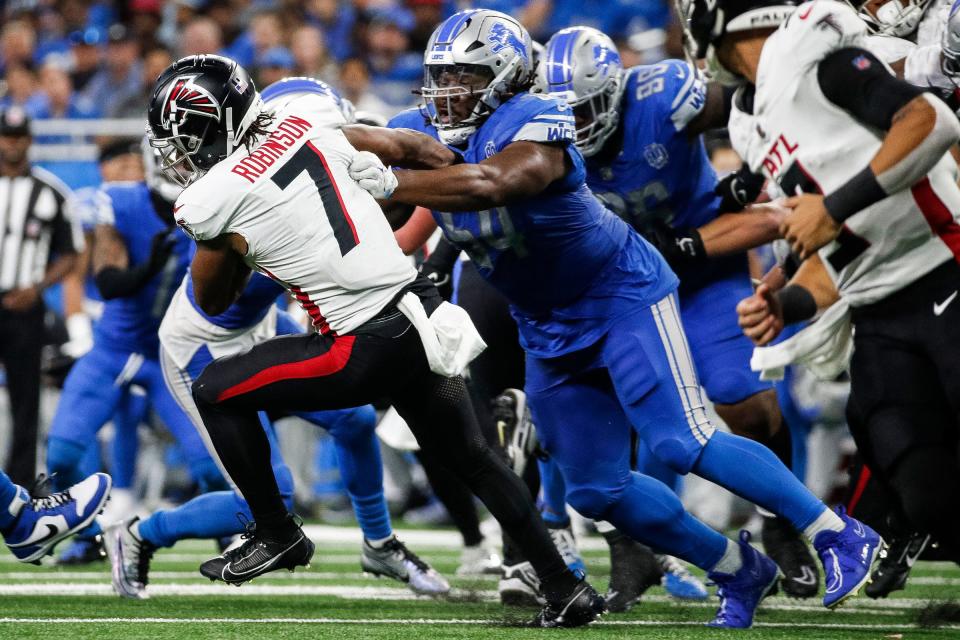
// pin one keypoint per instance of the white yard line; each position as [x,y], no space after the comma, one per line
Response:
[436,621]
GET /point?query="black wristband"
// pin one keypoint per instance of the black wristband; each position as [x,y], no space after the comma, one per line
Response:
[796,304]
[858,193]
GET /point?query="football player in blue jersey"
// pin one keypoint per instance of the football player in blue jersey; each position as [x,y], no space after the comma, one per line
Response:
[190,340]
[138,259]
[638,130]
[598,318]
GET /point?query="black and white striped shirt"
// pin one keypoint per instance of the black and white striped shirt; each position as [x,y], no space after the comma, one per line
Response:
[35,224]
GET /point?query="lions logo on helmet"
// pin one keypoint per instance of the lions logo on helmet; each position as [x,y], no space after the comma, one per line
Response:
[502,38]
[185,97]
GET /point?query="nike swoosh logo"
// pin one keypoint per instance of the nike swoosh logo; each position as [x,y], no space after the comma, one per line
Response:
[803,16]
[52,532]
[858,529]
[938,309]
[807,577]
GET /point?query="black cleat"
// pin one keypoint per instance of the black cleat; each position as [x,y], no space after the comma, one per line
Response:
[581,607]
[892,571]
[785,546]
[633,570]
[260,554]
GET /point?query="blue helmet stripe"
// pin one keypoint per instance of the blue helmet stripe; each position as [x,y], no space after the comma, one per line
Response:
[451,27]
[298,85]
[559,67]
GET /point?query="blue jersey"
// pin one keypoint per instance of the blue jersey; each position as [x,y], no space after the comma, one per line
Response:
[132,323]
[661,172]
[566,264]
[249,309]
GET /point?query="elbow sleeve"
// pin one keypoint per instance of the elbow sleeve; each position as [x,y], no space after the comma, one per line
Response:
[119,283]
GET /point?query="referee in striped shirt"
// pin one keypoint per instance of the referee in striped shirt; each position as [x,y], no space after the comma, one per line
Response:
[38,247]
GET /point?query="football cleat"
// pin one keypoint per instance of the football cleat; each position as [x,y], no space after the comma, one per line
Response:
[260,554]
[479,560]
[83,551]
[740,593]
[679,582]
[581,607]
[42,522]
[130,559]
[847,558]
[892,571]
[633,570]
[566,544]
[520,587]
[515,428]
[785,546]
[394,560]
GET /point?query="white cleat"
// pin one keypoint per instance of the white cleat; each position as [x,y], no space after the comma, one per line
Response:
[394,560]
[129,558]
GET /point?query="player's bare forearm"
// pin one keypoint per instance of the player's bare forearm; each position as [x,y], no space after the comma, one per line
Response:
[109,249]
[737,232]
[812,276]
[400,147]
[909,128]
[219,274]
[521,170]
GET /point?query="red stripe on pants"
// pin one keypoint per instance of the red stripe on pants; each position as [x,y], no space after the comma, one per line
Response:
[858,492]
[327,364]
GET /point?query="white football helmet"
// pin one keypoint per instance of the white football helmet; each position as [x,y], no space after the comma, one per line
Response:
[582,66]
[475,53]
[898,18]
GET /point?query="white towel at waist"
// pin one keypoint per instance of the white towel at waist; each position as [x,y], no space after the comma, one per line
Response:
[449,338]
[825,347]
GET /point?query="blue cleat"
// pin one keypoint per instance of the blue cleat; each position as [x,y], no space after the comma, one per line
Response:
[740,593]
[847,558]
[43,522]
[679,582]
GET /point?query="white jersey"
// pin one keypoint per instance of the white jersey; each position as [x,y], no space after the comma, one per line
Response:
[307,224]
[804,142]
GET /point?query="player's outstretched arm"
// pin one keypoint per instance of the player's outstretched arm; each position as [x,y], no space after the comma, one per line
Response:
[522,170]
[731,233]
[112,273]
[219,272]
[400,147]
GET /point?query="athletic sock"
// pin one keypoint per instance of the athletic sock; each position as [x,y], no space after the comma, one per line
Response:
[650,513]
[826,521]
[210,515]
[553,503]
[372,516]
[750,470]
[11,502]
[731,562]
[379,542]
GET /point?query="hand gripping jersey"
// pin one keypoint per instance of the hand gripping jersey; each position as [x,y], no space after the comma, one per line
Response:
[804,142]
[564,261]
[307,224]
[131,323]
[661,173]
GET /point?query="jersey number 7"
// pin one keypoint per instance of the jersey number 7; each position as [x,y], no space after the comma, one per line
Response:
[308,158]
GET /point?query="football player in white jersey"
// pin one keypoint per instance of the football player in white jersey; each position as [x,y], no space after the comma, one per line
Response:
[875,211]
[271,191]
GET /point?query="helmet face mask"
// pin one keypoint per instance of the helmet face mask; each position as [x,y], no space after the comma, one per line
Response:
[201,108]
[898,18]
[582,66]
[474,61]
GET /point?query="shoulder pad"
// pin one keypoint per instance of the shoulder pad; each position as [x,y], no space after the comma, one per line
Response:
[198,212]
[816,29]
[540,118]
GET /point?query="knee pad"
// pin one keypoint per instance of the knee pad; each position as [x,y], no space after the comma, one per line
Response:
[63,461]
[207,475]
[203,393]
[353,424]
[591,502]
[676,455]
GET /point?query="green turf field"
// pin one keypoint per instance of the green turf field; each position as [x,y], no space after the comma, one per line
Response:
[333,599]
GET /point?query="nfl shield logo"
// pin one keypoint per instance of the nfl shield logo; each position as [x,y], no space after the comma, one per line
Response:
[656,155]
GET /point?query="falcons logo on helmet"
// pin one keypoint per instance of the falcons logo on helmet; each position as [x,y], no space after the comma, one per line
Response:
[184,97]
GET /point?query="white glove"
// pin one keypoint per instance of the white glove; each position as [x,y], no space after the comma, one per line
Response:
[80,333]
[372,176]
